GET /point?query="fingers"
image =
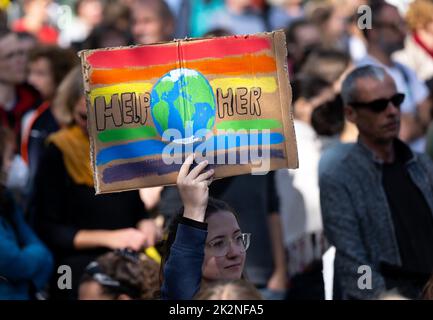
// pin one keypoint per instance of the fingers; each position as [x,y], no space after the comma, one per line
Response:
[138,240]
[197,170]
[184,169]
[205,176]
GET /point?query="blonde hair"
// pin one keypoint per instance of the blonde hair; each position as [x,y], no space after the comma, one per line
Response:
[420,13]
[229,290]
[70,91]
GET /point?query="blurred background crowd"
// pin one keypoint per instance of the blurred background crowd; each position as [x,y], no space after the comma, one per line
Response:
[49,213]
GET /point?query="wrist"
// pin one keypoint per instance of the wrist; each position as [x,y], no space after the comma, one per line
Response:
[195,213]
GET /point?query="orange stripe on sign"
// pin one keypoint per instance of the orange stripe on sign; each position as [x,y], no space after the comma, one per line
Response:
[243,65]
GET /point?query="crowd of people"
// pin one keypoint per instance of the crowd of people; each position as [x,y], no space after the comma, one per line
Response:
[354,221]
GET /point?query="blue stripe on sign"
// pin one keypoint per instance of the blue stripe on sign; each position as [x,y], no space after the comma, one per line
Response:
[156,147]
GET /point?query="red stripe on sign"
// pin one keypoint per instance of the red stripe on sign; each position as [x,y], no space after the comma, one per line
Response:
[146,56]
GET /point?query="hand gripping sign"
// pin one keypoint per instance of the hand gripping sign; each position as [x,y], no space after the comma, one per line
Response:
[226,99]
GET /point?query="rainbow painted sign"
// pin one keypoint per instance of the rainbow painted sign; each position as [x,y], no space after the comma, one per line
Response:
[226,99]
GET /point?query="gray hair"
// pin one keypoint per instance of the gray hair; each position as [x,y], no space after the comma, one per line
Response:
[348,88]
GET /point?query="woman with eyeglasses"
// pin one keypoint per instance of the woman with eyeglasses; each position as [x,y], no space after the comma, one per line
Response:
[205,243]
[77,225]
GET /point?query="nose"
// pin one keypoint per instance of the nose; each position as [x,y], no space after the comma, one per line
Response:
[233,250]
[392,109]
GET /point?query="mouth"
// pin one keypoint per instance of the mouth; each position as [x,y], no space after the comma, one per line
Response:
[233,266]
[391,126]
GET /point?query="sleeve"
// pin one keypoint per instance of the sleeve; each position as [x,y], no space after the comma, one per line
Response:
[342,230]
[29,239]
[51,190]
[23,263]
[183,269]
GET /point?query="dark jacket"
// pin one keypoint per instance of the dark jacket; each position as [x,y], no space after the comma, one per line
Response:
[25,263]
[183,269]
[357,218]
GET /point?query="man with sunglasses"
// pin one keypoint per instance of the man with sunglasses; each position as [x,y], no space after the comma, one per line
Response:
[377,202]
[385,37]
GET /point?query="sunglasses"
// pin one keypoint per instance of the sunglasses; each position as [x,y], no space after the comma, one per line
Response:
[379,105]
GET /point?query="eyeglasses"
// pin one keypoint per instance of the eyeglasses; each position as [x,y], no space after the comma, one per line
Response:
[379,105]
[220,246]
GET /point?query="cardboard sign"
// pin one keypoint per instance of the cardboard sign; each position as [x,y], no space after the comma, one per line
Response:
[226,99]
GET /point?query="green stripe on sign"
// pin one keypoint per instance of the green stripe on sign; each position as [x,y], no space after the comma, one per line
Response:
[127,134]
[259,124]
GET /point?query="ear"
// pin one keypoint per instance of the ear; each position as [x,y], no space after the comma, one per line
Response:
[350,113]
[124,297]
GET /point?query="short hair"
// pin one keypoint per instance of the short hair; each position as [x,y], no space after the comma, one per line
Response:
[68,94]
[61,60]
[229,290]
[348,88]
[328,118]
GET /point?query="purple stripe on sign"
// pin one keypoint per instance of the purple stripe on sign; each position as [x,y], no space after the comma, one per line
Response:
[145,168]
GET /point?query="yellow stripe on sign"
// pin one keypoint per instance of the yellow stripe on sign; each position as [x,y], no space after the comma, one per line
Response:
[108,91]
[267,84]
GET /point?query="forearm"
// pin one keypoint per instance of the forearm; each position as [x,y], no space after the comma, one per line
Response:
[194,213]
[90,239]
